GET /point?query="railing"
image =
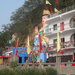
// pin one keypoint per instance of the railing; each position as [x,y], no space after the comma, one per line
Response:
[53,47]
[67,69]
[63,45]
[64,10]
[51,31]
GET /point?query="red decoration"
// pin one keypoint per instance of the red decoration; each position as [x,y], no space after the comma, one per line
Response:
[40,42]
[1,56]
[31,60]
[53,44]
[46,8]
[16,45]
[74,18]
[38,51]
[68,49]
[57,1]
[31,52]
[18,56]
[73,64]
[62,52]
[50,51]
[72,0]
[62,26]
[50,29]
[56,51]
[51,10]
[46,51]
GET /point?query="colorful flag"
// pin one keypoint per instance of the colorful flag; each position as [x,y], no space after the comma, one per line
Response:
[16,45]
[40,42]
[47,2]
[55,10]
[51,10]
[28,46]
[57,1]
[58,41]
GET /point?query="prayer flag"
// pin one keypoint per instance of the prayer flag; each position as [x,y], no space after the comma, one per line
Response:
[28,46]
[55,10]
[47,2]
[58,41]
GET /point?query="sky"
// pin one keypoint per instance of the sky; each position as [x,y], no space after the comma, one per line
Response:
[6,9]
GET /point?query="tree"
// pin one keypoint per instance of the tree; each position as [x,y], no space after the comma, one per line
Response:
[4,38]
[31,13]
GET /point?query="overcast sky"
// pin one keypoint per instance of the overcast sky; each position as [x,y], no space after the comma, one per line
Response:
[6,9]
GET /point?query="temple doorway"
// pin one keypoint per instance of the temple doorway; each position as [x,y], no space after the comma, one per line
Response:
[20,59]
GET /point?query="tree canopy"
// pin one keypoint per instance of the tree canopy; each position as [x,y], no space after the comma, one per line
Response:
[29,14]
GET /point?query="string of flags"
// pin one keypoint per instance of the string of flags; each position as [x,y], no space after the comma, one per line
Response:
[55,10]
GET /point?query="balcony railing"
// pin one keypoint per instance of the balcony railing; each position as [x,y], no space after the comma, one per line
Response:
[51,31]
[53,47]
[68,44]
[64,10]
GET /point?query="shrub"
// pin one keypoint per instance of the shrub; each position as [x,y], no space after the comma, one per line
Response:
[6,72]
[13,64]
[51,71]
[35,71]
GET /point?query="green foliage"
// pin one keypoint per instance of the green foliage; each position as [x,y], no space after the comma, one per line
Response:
[51,71]
[6,72]
[13,64]
[26,17]
[4,38]
[35,71]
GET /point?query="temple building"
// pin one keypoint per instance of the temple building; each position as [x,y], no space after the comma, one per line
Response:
[64,22]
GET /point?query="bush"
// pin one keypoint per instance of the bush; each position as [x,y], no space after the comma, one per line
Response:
[13,64]
[51,71]
[6,72]
[35,71]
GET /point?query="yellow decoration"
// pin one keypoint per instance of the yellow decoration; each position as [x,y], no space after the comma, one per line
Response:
[1,60]
[45,38]
[55,10]
[46,12]
[47,2]
[58,41]
[28,46]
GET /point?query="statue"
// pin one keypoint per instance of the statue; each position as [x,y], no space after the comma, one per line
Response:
[45,40]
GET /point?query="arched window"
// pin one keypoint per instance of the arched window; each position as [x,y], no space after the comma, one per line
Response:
[72,22]
[73,39]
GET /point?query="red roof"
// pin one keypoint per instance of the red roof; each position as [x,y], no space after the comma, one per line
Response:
[5,56]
